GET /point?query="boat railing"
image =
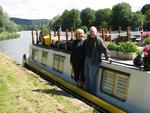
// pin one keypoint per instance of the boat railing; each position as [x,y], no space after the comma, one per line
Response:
[62,41]
[69,36]
[127,63]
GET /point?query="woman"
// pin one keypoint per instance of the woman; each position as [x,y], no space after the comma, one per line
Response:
[77,58]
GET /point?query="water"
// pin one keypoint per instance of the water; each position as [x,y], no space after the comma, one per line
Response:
[15,48]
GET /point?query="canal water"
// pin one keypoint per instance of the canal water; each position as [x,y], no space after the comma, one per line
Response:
[15,48]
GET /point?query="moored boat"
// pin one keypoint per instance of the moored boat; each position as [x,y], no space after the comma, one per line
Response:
[121,87]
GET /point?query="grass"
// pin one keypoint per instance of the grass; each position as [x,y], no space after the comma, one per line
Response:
[22,91]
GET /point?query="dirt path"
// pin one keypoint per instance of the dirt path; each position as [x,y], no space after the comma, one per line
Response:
[25,92]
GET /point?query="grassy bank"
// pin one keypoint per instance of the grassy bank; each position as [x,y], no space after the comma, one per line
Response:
[22,91]
[7,35]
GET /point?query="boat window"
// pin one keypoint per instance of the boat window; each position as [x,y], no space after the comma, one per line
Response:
[58,63]
[44,57]
[115,83]
[35,54]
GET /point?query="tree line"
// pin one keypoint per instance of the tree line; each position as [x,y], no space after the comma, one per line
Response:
[6,25]
[120,15]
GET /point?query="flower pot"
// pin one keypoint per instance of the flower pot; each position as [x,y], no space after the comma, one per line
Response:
[129,56]
[113,53]
[122,55]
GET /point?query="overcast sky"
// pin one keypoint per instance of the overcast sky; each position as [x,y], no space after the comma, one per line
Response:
[47,9]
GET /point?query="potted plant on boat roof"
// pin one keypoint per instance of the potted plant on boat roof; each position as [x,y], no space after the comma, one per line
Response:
[124,50]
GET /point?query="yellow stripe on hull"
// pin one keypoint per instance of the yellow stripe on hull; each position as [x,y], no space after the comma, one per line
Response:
[103,104]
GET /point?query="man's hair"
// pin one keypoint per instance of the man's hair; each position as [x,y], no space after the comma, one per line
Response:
[93,28]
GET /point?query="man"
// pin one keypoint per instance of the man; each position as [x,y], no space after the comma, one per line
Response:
[77,57]
[94,47]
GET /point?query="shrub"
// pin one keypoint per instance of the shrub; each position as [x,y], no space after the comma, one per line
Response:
[127,47]
[85,29]
[146,41]
[113,46]
[7,35]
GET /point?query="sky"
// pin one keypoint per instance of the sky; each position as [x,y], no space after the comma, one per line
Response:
[47,9]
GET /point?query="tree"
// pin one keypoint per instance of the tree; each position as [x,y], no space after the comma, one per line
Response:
[44,29]
[57,22]
[51,23]
[121,15]
[71,19]
[137,20]
[74,18]
[5,23]
[147,20]
[1,20]
[87,17]
[145,8]
[65,19]
[103,17]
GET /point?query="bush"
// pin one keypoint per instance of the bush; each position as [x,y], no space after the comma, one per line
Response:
[44,29]
[113,46]
[85,29]
[6,35]
[146,41]
[128,47]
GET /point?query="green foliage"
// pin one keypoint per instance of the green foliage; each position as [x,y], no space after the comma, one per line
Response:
[147,15]
[147,25]
[146,41]
[137,20]
[103,17]
[84,28]
[113,46]
[74,16]
[121,15]
[88,17]
[128,47]
[8,35]
[28,24]
[147,20]
[65,20]
[44,29]
[5,24]
[145,8]
[70,19]
[57,22]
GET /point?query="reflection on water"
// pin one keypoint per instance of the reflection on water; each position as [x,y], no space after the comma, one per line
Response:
[15,48]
